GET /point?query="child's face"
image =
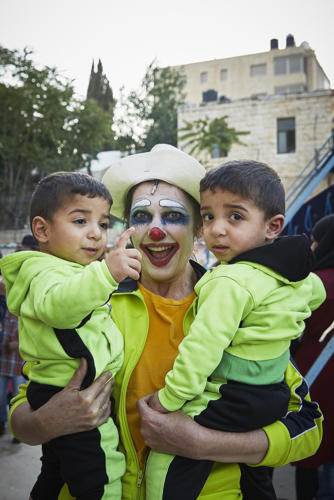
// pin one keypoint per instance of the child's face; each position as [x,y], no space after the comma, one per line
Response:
[78,230]
[232,224]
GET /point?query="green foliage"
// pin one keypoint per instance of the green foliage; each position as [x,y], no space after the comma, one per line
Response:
[166,90]
[211,136]
[100,91]
[150,115]
[99,88]
[127,124]
[43,128]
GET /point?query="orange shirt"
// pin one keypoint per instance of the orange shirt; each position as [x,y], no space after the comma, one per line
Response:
[161,348]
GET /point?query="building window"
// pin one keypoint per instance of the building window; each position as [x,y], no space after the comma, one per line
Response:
[288,64]
[286,135]
[258,69]
[290,89]
[204,77]
[216,152]
[210,95]
[223,74]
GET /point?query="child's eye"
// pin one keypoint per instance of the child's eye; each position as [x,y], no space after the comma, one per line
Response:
[104,225]
[79,221]
[236,217]
[207,217]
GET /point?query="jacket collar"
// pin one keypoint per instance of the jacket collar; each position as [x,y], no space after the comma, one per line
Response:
[290,256]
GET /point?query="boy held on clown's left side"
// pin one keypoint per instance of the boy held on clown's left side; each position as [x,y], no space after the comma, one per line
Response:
[229,373]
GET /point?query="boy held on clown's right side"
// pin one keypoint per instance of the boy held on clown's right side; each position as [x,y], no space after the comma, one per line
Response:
[61,296]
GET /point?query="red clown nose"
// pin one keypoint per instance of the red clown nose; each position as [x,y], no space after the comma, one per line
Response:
[156,234]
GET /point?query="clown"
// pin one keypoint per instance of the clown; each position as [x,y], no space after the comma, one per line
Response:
[158,193]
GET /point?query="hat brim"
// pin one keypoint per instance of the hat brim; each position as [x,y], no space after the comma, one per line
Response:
[164,163]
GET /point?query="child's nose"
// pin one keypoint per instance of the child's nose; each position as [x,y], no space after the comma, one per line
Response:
[95,232]
[218,228]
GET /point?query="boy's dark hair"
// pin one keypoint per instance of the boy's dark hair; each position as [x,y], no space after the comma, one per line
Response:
[51,192]
[250,179]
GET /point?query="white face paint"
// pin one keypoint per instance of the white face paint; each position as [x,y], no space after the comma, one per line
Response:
[171,203]
[170,210]
[141,203]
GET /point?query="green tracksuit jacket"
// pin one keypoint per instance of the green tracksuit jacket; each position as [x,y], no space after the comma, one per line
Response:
[246,316]
[63,315]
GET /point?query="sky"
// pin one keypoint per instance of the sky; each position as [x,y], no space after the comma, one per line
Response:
[127,35]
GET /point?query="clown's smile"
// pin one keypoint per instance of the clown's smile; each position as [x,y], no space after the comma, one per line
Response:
[159,254]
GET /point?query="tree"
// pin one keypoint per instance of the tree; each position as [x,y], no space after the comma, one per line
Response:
[212,136]
[43,128]
[150,115]
[127,124]
[100,91]
[165,89]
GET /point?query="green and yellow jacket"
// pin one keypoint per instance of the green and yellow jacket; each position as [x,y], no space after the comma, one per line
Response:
[64,315]
[246,316]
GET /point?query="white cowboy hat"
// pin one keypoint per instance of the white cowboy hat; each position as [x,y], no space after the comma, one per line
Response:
[163,162]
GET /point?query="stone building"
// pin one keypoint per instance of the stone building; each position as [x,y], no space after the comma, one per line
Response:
[282,98]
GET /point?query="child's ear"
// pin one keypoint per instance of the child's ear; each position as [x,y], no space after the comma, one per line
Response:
[40,229]
[274,226]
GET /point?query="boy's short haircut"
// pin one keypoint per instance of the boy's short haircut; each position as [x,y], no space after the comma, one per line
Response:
[51,192]
[252,180]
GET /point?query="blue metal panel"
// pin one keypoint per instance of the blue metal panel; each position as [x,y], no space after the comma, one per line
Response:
[309,178]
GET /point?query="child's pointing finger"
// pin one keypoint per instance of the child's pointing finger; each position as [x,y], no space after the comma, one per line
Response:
[123,239]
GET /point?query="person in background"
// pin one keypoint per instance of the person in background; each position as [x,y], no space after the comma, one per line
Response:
[3,306]
[10,366]
[29,243]
[10,360]
[315,475]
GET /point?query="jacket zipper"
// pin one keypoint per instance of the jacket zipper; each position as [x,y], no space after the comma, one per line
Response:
[140,474]
[140,478]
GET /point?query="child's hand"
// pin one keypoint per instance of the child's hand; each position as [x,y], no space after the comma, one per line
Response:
[123,262]
[155,404]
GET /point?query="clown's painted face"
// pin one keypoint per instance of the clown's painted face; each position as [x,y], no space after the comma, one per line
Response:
[163,217]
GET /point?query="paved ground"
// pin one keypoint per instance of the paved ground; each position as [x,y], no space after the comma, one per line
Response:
[19,466]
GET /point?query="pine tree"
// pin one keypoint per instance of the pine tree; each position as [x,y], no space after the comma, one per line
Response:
[99,88]
[100,91]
